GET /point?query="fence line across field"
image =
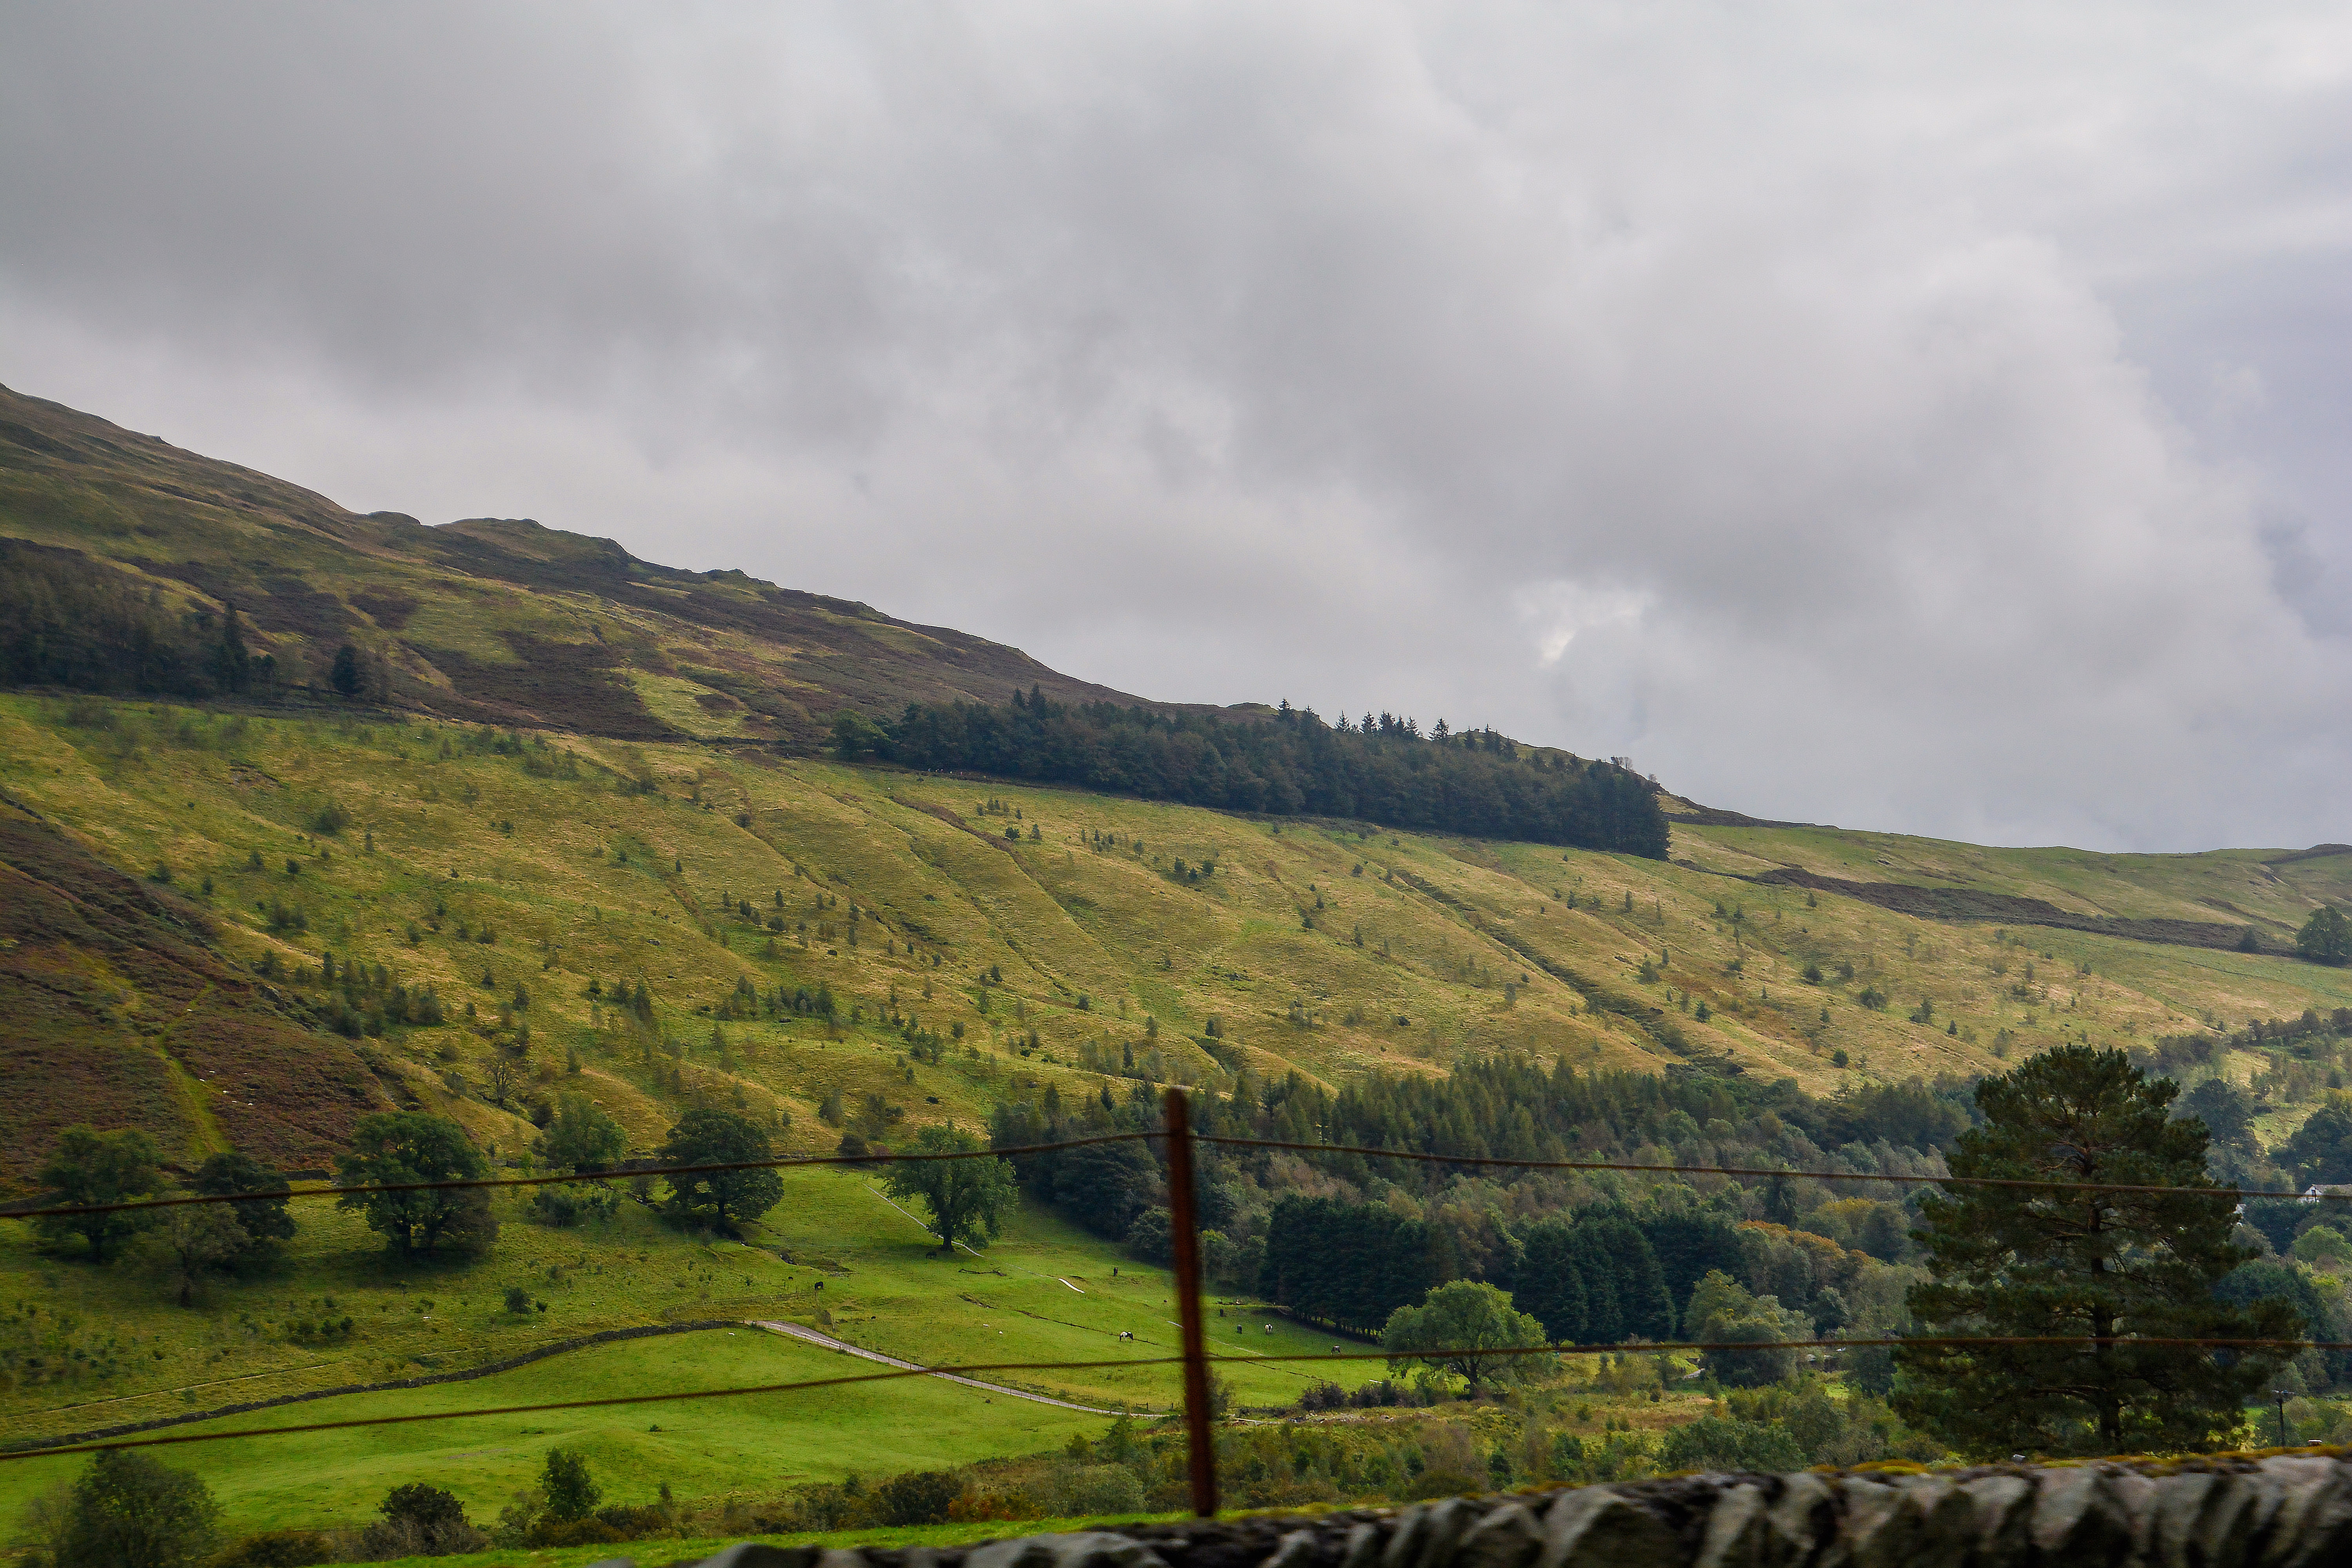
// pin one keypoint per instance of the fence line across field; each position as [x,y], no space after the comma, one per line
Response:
[792,1162]
[1642,1347]
[1195,1358]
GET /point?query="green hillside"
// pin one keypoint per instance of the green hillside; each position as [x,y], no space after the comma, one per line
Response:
[569,829]
[1319,949]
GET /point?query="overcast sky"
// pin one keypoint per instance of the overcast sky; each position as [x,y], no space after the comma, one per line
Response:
[1927,418]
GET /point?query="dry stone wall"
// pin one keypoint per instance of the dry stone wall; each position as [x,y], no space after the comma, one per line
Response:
[2282,1510]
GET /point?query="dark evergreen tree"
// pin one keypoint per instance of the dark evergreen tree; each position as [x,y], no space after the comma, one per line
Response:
[1687,1243]
[232,665]
[1547,1284]
[2121,1268]
[1349,1265]
[1645,1309]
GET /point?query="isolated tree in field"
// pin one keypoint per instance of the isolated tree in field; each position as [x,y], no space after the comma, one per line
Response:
[264,1220]
[128,1511]
[967,1198]
[708,1136]
[2118,1267]
[1454,1323]
[200,1238]
[502,1073]
[394,1148]
[92,1167]
[2325,937]
[347,677]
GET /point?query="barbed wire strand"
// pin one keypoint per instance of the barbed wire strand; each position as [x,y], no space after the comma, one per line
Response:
[612,1173]
[792,1162]
[1639,1347]
[2239,1193]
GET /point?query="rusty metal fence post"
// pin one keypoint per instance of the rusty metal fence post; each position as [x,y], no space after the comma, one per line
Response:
[1200,1439]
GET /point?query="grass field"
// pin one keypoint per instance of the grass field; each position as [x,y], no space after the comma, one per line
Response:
[1043,1292]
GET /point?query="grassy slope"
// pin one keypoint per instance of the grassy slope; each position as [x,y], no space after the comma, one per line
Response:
[1043,1292]
[1061,920]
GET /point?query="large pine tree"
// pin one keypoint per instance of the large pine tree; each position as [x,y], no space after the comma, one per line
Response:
[2123,1268]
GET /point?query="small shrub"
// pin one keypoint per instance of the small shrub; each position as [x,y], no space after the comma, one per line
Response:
[1098,1489]
[922,1496]
[279,1549]
[1324,1397]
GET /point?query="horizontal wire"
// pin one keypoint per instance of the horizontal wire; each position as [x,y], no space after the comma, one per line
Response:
[2236,1192]
[1646,1347]
[781,1162]
[788,1162]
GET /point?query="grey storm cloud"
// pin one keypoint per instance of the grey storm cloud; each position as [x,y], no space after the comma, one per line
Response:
[1927,418]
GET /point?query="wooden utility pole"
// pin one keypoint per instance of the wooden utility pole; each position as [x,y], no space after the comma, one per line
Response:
[1199,1440]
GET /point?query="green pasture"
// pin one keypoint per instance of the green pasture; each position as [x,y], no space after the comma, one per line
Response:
[756,1444]
[1043,1292]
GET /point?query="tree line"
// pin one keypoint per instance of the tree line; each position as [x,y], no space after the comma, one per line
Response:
[1290,763]
[1595,1278]
[1386,1229]
[65,621]
[2089,1300]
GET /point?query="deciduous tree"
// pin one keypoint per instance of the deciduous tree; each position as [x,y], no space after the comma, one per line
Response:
[264,1220]
[201,1238]
[710,1137]
[581,1137]
[394,1148]
[90,1167]
[967,1198]
[1454,1324]
[128,1511]
[2325,937]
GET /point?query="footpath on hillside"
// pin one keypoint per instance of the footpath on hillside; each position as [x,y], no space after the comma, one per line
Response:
[798,1332]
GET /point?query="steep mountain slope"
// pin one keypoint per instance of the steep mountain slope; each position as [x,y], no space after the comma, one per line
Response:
[120,1008]
[1132,939]
[490,620]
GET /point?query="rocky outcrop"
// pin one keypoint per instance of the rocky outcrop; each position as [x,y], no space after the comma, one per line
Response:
[2280,1510]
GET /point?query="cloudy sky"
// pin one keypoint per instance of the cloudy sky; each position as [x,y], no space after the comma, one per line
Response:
[1921,417]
